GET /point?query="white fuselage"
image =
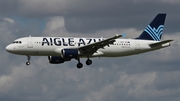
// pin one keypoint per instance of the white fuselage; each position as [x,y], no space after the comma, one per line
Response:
[52,46]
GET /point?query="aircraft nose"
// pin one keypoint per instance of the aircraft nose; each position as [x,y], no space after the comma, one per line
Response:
[9,48]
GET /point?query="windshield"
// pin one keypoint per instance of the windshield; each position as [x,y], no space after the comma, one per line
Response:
[18,42]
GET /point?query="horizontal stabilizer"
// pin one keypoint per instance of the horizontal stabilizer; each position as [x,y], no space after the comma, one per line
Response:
[160,43]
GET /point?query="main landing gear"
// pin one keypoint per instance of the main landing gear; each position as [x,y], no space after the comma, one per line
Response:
[28,62]
[80,65]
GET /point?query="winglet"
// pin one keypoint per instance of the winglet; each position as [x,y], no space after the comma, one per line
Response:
[124,35]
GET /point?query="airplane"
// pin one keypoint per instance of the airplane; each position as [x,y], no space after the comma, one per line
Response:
[63,49]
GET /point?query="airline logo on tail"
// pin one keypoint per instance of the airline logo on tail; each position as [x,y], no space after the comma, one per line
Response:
[154,30]
[155,33]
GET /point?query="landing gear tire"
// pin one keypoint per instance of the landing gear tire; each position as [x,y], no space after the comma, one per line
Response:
[79,65]
[28,63]
[88,62]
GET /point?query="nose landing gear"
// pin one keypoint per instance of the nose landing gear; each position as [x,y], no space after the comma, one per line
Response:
[28,62]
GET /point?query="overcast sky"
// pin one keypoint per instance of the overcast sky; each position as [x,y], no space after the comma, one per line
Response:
[153,76]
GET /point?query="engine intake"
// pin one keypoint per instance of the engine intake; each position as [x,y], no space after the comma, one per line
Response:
[70,53]
[57,59]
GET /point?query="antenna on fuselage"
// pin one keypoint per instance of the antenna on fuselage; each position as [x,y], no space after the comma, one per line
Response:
[101,38]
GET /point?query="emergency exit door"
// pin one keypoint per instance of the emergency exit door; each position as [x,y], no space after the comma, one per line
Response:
[30,42]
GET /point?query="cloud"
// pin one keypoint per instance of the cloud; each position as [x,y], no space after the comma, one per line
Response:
[8,20]
[87,16]
[144,77]
[6,28]
[5,84]
[55,27]
[170,1]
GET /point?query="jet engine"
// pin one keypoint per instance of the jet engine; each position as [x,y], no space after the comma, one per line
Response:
[70,53]
[57,59]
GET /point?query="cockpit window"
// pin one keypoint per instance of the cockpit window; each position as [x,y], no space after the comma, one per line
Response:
[18,42]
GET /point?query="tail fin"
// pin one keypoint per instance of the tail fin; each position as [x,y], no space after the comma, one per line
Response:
[154,30]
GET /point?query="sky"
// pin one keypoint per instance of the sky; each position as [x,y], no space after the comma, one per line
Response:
[152,76]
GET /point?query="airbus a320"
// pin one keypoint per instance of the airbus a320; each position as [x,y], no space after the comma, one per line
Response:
[63,49]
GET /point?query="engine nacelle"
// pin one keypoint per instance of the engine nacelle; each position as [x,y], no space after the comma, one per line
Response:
[57,59]
[70,53]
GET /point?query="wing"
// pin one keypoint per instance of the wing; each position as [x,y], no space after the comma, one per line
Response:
[92,48]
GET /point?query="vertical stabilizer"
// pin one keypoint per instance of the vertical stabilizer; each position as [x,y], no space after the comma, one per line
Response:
[154,30]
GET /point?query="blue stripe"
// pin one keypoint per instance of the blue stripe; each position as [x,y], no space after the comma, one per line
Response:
[155,33]
[151,33]
[159,31]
